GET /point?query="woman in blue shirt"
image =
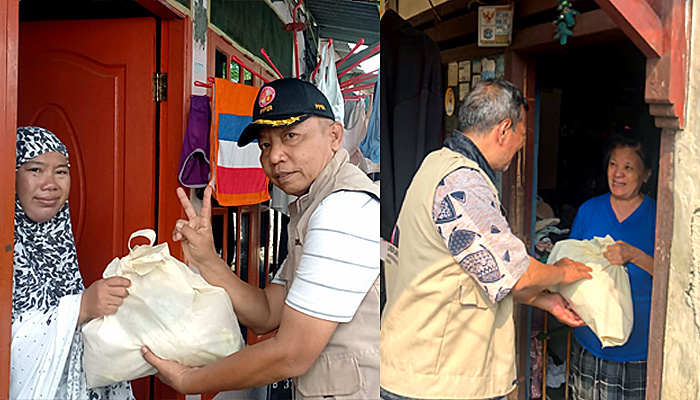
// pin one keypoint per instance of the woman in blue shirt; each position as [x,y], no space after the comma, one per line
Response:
[626,214]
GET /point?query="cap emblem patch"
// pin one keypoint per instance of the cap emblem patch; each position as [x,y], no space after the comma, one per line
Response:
[267,94]
[320,107]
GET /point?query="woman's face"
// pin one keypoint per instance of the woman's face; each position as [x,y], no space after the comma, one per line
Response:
[42,185]
[626,173]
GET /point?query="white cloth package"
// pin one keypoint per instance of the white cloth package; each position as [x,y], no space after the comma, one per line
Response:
[170,309]
[604,302]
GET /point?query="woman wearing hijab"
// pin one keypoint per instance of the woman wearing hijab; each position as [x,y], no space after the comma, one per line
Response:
[50,302]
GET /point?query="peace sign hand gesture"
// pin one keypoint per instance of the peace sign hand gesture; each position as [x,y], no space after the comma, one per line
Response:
[195,234]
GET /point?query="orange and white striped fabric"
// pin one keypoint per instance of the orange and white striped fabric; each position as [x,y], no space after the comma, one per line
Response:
[237,175]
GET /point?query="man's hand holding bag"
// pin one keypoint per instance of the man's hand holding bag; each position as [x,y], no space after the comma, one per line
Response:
[170,309]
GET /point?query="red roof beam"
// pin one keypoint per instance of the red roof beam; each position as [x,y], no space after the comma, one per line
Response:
[358,79]
[638,20]
[357,88]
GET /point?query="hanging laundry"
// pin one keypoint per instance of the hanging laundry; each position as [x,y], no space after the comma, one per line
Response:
[369,106]
[370,145]
[355,129]
[326,80]
[237,178]
[370,168]
[194,169]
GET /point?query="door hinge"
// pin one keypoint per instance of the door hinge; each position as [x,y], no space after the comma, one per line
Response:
[160,87]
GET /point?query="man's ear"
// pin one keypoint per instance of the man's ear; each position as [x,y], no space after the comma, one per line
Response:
[502,130]
[336,132]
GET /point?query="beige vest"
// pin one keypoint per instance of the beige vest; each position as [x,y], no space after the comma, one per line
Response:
[348,368]
[441,337]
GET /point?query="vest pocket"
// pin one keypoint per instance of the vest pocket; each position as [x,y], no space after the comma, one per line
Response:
[331,377]
[469,295]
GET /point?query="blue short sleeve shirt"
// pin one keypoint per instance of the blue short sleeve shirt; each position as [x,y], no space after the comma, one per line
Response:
[597,218]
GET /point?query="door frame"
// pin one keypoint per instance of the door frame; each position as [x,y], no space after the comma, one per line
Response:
[661,36]
[176,31]
[175,60]
[175,44]
[9,45]
[659,28]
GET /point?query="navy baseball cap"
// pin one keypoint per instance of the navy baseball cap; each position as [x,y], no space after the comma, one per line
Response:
[285,102]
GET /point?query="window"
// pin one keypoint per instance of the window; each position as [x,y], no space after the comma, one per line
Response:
[248,238]
[220,64]
[235,72]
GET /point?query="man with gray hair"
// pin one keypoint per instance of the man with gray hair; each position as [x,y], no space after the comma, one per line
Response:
[455,268]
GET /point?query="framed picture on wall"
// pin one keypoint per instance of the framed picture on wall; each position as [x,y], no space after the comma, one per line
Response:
[452,73]
[495,25]
[465,70]
[476,66]
[463,89]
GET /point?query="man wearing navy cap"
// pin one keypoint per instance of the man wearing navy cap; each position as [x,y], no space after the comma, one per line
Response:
[324,301]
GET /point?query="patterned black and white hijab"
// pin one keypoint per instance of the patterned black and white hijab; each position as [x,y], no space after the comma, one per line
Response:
[45,259]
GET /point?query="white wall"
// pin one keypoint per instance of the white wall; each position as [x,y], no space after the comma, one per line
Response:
[681,370]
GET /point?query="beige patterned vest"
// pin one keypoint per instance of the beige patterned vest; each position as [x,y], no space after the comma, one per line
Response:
[348,368]
[442,337]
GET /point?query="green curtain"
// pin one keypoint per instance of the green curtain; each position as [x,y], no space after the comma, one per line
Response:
[254,25]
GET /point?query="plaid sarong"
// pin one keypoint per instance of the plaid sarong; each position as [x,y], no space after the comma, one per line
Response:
[593,378]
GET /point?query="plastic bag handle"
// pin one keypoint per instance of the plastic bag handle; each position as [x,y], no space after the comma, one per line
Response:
[149,234]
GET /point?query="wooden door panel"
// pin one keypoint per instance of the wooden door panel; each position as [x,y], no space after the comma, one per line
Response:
[89,82]
[66,120]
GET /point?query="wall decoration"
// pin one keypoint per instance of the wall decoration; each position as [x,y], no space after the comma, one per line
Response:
[465,70]
[488,68]
[463,90]
[565,21]
[449,102]
[452,69]
[500,66]
[495,25]
[476,67]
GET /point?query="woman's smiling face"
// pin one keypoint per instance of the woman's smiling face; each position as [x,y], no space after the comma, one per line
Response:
[626,173]
[42,185]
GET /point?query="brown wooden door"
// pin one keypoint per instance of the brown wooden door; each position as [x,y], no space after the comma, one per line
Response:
[90,82]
